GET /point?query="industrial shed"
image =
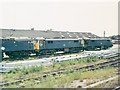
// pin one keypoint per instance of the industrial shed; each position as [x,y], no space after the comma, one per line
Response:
[48,34]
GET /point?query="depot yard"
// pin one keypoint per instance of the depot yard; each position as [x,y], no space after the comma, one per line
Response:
[68,80]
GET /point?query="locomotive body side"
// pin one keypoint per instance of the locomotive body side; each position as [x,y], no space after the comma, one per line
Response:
[17,48]
[98,44]
[66,45]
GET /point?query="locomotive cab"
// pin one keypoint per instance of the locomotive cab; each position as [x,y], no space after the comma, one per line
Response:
[36,45]
[85,43]
[39,43]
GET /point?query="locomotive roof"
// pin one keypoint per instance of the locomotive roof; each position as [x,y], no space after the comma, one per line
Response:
[45,34]
[61,39]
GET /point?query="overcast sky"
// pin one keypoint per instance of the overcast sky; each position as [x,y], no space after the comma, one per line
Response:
[94,16]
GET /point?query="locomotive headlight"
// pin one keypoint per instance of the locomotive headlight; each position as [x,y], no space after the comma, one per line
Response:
[2,48]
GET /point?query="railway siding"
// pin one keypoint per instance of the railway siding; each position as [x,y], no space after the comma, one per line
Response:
[63,71]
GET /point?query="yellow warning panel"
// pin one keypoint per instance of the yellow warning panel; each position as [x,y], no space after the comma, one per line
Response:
[36,45]
[83,42]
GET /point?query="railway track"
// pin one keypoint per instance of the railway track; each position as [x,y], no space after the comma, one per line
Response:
[117,88]
[101,82]
[112,62]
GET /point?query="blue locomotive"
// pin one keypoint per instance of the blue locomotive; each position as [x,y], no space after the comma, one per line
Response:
[56,45]
[16,48]
[25,47]
[98,44]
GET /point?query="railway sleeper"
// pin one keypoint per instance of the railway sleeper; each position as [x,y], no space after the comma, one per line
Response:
[54,74]
[60,72]
[44,76]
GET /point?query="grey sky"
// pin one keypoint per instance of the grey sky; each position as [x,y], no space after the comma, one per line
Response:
[84,16]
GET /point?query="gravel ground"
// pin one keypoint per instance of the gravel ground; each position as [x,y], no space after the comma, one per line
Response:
[110,84]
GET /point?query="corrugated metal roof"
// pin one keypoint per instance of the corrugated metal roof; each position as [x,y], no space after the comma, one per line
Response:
[44,34]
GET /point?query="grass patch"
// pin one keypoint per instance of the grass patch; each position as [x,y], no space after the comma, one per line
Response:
[89,76]
[35,70]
